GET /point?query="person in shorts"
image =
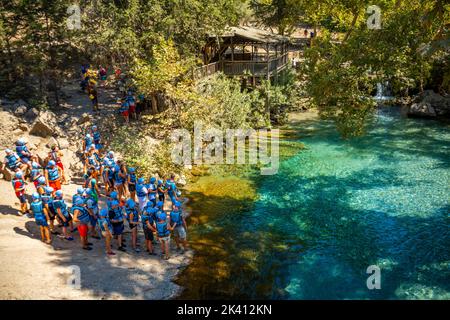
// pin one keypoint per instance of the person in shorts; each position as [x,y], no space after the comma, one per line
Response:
[148,226]
[117,221]
[40,217]
[133,221]
[81,218]
[179,226]
[106,229]
[63,216]
[19,184]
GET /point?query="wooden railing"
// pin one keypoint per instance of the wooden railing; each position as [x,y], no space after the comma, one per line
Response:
[205,70]
[234,68]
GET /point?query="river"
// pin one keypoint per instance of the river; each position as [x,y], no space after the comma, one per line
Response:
[335,208]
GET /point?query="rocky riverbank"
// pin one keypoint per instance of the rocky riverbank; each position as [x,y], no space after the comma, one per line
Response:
[30,269]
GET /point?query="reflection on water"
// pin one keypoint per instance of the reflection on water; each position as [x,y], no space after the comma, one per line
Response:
[332,210]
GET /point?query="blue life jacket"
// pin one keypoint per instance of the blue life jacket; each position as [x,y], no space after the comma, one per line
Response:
[101,222]
[61,204]
[92,160]
[133,178]
[161,187]
[133,211]
[96,135]
[176,217]
[144,219]
[38,210]
[53,173]
[151,195]
[22,149]
[140,191]
[35,174]
[118,213]
[161,229]
[83,216]
[88,142]
[118,178]
[22,183]
[171,187]
[47,199]
[13,161]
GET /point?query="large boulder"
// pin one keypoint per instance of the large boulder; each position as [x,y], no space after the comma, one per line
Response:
[422,109]
[45,125]
[440,103]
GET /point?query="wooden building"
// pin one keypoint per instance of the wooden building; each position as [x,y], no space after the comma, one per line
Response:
[245,51]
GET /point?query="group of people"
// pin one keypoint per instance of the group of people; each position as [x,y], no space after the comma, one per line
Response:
[129,198]
[131,105]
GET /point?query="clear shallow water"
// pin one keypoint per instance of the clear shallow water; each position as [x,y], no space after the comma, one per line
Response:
[338,207]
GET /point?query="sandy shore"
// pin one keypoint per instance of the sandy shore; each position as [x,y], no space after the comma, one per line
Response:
[30,269]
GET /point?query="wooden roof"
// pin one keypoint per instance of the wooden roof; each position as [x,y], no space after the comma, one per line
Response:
[253,34]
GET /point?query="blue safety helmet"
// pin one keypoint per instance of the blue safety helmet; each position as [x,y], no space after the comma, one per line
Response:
[35,195]
[113,195]
[19,174]
[130,203]
[152,180]
[103,213]
[52,163]
[58,193]
[41,180]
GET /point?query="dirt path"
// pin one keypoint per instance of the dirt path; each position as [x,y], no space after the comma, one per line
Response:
[30,269]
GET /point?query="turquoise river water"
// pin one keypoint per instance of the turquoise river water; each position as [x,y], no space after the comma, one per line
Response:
[340,206]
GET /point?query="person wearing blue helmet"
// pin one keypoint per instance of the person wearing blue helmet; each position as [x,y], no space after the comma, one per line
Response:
[152,190]
[88,141]
[55,154]
[106,171]
[141,191]
[105,227]
[47,200]
[37,207]
[23,152]
[53,175]
[41,184]
[81,218]
[19,184]
[36,173]
[161,189]
[117,222]
[120,176]
[148,226]
[95,133]
[132,215]
[91,164]
[172,190]
[92,207]
[78,195]
[63,215]
[12,161]
[163,229]
[179,226]
[132,180]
